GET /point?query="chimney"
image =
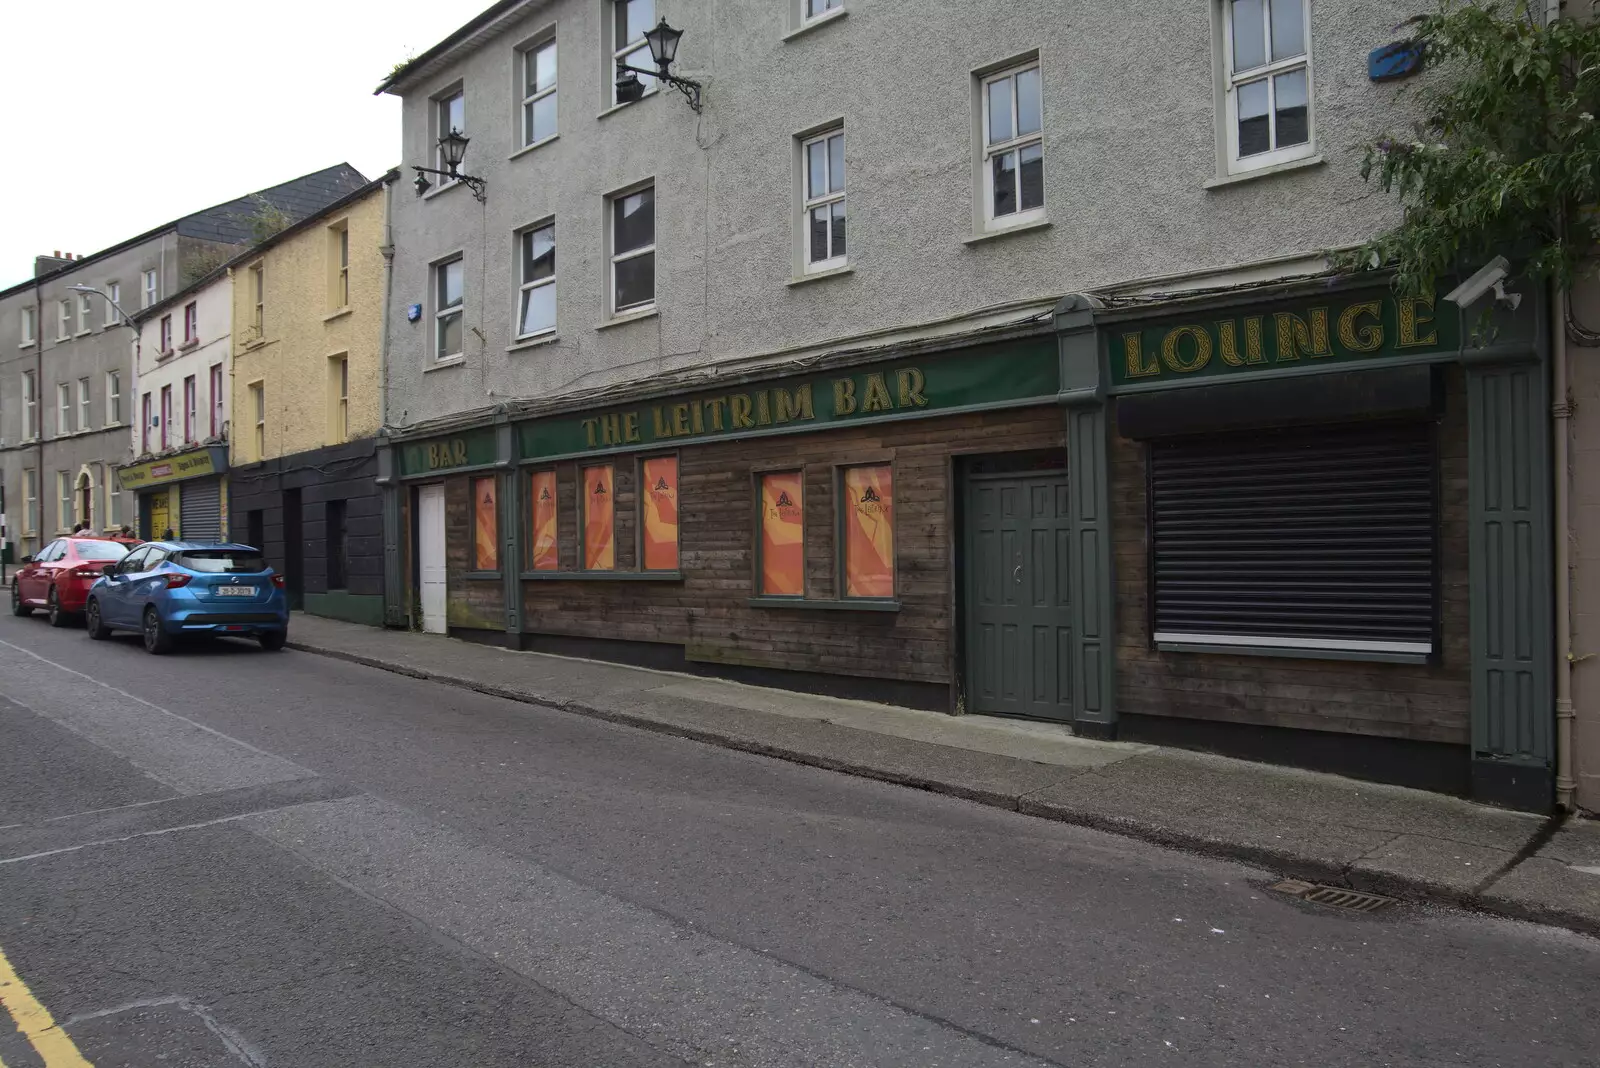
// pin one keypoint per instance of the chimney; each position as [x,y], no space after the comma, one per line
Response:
[45,264]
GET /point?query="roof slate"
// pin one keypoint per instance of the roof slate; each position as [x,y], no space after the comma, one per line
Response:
[306,195]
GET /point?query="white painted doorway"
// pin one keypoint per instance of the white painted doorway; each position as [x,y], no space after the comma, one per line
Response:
[430,557]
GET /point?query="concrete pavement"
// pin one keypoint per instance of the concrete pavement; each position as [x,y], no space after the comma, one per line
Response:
[1324,828]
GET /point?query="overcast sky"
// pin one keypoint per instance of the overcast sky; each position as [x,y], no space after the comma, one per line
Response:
[125,115]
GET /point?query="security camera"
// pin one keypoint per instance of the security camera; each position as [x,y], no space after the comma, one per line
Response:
[1491,276]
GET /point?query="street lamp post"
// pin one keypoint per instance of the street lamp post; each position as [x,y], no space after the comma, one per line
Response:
[127,320]
[663,42]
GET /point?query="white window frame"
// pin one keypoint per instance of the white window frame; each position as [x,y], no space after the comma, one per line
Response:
[830,9]
[341,280]
[258,291]
[621,50]
[528,57]
[442,312]
[613,257]
[64,403]
[342,411]
[1016,143]
[64,489]
[216,383]
[152,288]
[30,329]
[30,406]
[440,105]
[85,417]
[64,320]
[85,313]
[191,408]
[191,324]
[113,497]
[810,201]
[114,292]
[30,497]
[1231,81]
[524,286]
[257,391]
[113,398]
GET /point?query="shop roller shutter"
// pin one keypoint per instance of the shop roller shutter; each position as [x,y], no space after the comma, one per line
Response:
[1315,537]
[200,510]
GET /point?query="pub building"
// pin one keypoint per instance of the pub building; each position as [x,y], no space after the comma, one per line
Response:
[1305,523]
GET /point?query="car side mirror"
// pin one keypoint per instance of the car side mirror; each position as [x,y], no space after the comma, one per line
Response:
[109,571]
[27,559]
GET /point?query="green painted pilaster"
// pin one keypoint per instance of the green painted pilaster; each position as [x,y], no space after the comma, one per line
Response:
[1509,546]
[1093,643]
[394,579]
[511,512]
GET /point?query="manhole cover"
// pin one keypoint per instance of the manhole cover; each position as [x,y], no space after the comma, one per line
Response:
[1337,897]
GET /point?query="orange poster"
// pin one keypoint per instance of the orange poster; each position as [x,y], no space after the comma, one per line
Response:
[486,539]
[599,508]
[542,490]
[869,531]
[659,480]
[782,536]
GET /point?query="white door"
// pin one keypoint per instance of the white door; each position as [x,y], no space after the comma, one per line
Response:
[430,555]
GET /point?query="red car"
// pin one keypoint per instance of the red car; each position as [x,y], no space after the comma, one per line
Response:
[58,578]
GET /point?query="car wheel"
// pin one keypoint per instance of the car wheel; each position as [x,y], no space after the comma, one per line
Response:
[156,638]
[54,612]
[97,629]
[273,640]
[17,607]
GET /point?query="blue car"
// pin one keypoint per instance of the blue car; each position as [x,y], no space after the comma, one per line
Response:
[165,589]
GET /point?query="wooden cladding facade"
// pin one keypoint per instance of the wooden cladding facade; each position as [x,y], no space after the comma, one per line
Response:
[706,612]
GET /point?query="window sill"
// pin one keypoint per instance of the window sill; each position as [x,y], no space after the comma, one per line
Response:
[187,345]
[1370,656]
[603,576]
[165,354]
[26,344]
[442,188]
[254,343]
[832,272]
[862,605]
[817,23]
[614,108]
[629,317]
[1007,231]
[483,576]
[84,333]
[440,365]
[525,149]
[524,344]
[338,313]
[1265,172]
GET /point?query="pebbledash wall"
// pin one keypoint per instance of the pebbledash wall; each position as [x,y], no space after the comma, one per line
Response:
[1036,481]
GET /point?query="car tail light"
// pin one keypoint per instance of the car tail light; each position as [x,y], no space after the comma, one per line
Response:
[279,581]
[87,571]
[175,580]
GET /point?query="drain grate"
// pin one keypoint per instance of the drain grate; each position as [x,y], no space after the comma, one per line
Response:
[1337,897]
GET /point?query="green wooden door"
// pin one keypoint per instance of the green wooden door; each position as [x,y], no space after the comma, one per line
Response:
[1018,616]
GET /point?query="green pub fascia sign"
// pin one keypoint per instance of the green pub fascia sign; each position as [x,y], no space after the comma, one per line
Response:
[993,376]
[472,448]
[1351,329]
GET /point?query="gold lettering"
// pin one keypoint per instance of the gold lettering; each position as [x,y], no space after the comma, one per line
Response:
[680,420]
[1295,335]
[588,430]
[630,427]
[785,407]
[763,409]
[660,423]
[697,422]
[1133,352]
[715,406]
[1365,338]
[433,456]
[1173,358]
[460,449]
[1228,339]
[877,395]
[1411,321]
[610,429]
[912,383]
[739,411]
[844,396]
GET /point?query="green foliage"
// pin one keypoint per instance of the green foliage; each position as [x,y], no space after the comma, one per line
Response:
[203,261]
[1506,160]
[267,219]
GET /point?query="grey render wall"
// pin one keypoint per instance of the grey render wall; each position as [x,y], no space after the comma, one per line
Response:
[104,348]
[1130,143]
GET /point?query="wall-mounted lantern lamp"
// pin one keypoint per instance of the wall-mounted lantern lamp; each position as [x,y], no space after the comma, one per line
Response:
[663,42]
[452,149]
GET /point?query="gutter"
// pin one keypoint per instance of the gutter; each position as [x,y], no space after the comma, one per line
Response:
[387,250]
[1561,412]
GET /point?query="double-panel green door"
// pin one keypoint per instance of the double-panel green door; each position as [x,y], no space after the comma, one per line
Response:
[1018,614]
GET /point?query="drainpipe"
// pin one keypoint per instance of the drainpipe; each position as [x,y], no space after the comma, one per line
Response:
[38,408]
[1561,410]
[387,249]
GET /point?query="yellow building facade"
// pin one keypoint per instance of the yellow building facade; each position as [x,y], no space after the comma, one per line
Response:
[307,341]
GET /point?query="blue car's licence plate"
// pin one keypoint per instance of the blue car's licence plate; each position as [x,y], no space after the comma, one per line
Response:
[236,591]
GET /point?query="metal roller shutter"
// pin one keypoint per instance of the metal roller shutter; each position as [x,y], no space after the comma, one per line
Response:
[200,510]
[1313,537]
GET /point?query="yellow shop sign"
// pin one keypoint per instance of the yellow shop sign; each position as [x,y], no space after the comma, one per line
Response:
[195,464]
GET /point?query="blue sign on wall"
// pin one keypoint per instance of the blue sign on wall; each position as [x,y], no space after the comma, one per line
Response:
[1395,61]
[413,313]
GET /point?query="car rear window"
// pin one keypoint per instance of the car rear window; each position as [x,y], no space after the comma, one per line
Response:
[221,561]
[100,550]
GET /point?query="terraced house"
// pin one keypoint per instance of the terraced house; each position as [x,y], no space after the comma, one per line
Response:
[1009,378]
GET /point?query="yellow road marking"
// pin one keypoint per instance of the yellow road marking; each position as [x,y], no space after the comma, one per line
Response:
[52,1044]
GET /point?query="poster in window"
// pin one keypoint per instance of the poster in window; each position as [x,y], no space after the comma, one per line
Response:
[486,526]
[542,491]
[659,480]
[599,509]
[869,531]
[782,536]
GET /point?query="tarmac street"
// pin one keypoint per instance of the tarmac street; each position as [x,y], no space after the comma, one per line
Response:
[229,857]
